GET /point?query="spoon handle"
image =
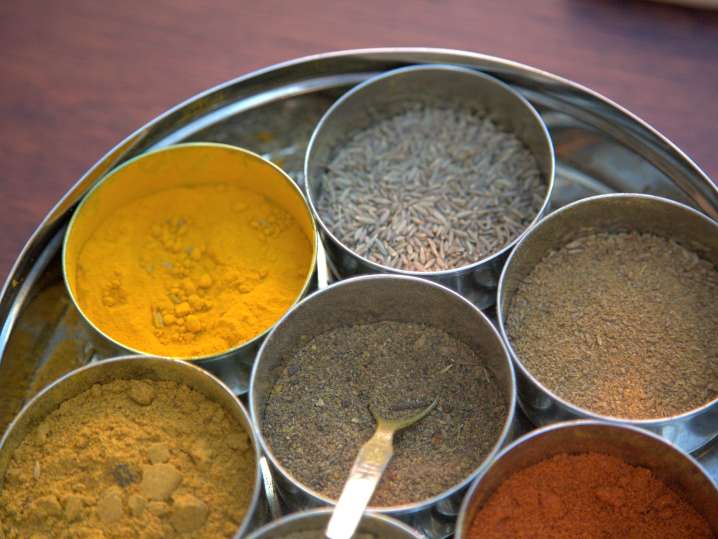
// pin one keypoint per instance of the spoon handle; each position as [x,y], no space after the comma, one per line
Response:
[365,474]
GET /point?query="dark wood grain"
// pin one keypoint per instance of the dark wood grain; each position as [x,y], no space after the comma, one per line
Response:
[77,76]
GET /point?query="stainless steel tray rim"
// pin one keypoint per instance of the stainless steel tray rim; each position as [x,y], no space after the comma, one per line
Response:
[77,190]
[43,243]
[379,51]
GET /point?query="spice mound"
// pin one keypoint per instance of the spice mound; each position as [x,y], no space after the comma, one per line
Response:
[588,495]
[130,458]
[192,271]
[393,367]
[622,324]
[430,188]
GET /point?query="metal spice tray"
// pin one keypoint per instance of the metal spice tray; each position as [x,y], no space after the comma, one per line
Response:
[600,148]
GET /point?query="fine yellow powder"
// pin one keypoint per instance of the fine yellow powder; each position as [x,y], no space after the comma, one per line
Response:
[192,271]
[130,458]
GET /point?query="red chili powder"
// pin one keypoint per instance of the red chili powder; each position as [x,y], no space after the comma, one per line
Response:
[586,496]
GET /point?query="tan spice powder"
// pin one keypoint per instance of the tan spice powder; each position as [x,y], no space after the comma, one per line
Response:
[622,324]
[130,458]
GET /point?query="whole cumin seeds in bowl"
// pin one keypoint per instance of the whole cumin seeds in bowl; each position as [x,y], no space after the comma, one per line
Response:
[432,171]
[608,308]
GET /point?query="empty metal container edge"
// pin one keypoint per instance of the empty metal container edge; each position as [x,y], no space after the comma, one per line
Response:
[378,526]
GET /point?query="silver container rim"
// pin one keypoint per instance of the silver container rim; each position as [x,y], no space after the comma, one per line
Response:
[257,489]
[467,268]
[421,505]
[145,155]
[12,289]
[572,408]
[576,423]
[321,511]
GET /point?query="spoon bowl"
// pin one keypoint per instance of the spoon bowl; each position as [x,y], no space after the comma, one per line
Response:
[367,470]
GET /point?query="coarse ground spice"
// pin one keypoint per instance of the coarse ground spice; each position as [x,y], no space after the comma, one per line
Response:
[589,495]
[317,415]
[130,458]
[621,324]
[430,187]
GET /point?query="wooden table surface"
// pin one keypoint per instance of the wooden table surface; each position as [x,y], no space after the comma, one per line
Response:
[78,76]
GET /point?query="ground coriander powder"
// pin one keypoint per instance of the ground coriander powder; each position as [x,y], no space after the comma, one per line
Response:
[621,324]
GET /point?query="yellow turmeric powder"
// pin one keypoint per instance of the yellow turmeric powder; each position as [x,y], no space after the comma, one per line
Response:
[192,271]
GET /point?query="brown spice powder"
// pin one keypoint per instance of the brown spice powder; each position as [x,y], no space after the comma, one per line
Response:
[130,458]
[317,415]
[621,324]
[591,496]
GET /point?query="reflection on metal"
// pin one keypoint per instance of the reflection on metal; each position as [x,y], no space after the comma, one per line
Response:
[599,146]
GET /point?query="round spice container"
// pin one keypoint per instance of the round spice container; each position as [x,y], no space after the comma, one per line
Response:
[394,343]
[432,171]
[130,447]
[191,252]
[607,307]
[590,479]
[312,524]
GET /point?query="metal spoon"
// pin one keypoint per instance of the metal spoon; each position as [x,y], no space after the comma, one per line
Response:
[366,472]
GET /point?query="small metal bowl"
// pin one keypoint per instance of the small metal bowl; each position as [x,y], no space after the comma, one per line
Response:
[379,526]
[679,471]
[132,367]
[175,166]
[442,83]
[371,299]
[607,213]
